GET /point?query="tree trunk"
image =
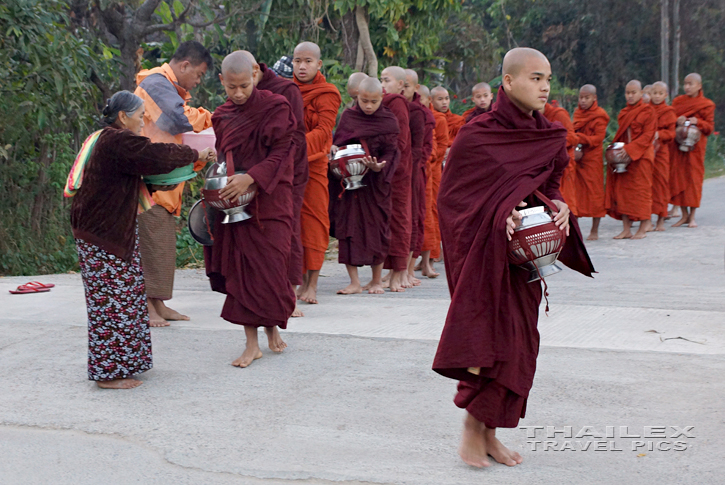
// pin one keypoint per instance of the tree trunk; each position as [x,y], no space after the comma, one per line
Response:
[363,25]
[350,40]
[675,86]
[665,40]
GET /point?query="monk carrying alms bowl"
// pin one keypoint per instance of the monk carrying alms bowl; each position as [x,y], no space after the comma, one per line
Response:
[536,243]
[687,135]
[348,165]
[216,179]
[617,157]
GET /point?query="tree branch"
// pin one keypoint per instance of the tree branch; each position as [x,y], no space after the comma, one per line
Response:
[145,11]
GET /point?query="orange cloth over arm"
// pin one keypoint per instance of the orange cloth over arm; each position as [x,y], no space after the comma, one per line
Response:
[432,234]
[455,122]
[591,128]
[630,193]
[666,121]
[568,178]
[688,168]
[321,101]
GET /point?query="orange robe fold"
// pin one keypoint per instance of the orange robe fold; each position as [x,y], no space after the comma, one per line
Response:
[666,120]
[630,193]
[688,168]
[455,122]
[568,178]
[322,101]
[432,234]
[591,127]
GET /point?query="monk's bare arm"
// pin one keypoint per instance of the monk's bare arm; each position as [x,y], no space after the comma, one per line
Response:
[319,137]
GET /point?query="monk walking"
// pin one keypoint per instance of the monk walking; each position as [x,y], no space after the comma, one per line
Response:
[666,121]
[490,340]
[481,97]
[441,102]
[629,194]
[322,101]
[688,166]
[590,125]
[362,216]
[432,234]
[165,91]
[393,81]
[568,179]
[249,261]
[422,124]
[265,79]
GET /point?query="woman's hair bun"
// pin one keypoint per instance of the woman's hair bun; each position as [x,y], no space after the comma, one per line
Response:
[124,101]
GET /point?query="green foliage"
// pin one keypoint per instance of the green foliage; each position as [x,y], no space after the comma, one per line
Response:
[715,156]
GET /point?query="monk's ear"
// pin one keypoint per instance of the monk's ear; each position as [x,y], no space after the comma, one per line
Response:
[506,81]
[221,78]
[319,64]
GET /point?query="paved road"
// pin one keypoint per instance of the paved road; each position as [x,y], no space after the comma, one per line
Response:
[353,400]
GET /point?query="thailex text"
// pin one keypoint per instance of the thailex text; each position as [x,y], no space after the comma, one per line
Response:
[609,438]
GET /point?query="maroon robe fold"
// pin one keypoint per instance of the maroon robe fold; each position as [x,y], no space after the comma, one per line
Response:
[497,160]
[278,85]
[401,217]
[361,217]
[249,261]
[473,112]
[421,136]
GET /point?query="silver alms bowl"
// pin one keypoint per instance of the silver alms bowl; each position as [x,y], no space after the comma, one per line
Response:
[351,157]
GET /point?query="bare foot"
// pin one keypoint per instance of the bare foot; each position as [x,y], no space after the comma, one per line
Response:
[438,260]
[376,289]
[250,355]
[309,295]
[593,236]
[626,234]
[276,344]
[499,452]
[397,285]
[413,280]
[473,443]
[155,320]
[297,312]
[419,266]
[681,222]
[430,272]
[119,384]
[692,224]
[660,226]
[351,289]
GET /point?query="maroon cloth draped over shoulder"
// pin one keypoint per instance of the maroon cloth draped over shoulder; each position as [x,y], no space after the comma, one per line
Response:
[278,85]
[401,217]
[422,123]
[361,218]
[473,112]
[249,260]
[496,161]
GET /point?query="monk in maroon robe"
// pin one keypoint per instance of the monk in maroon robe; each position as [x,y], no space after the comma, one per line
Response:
[490,340]
[401,230]
[422,124]
[265,79]
[362,216]
[481,97]
[249,261]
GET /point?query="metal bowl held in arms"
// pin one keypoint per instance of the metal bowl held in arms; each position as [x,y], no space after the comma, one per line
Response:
[537,242]
[216,179]
[687,136]
[201,223]
[617,157]
[347,164]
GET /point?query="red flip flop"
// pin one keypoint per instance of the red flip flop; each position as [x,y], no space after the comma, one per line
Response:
[38,284]
[24,290]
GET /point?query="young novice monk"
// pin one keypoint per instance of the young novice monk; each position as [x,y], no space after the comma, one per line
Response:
[629,194]
[249,260]
[441,101]
[362,216]
[481,97]
[666,120]
[322,101]
[353,85]
[490,340]
[647,93]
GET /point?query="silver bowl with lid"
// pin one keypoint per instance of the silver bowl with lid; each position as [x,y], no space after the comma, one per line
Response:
[351,157]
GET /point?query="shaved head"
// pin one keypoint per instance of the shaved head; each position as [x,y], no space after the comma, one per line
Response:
[516,59]
[481,95]
[411,76]
[371,85]
[309,47]
[440,99]
[393,79]
[692,84]
[660,85]
[634,84]
[587,96]
[588,89]
[370,95]
[659,92]
[306,62]
[438,90]
[633,92]
[695,77]
[397,72]
[411,84]
[257,72]
[237,63]
[353,83]
[424,91]
[481,86]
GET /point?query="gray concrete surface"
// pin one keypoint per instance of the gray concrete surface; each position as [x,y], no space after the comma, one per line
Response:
[353,399]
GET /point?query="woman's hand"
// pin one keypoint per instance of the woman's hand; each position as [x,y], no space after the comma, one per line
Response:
[561,218]
[372,163]
[513,220]
[236,185]
[207,155]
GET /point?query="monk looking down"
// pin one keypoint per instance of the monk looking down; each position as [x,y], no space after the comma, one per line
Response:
[666,121]
[629,194]
[249,260]
[321,100]
[688,167]
[362,216]
[393,81]
[490,340]
[482,98]
[265,79]
[590,125]
[432,235]
[568,179]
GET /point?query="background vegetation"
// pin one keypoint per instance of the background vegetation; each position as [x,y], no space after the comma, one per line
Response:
[61,59]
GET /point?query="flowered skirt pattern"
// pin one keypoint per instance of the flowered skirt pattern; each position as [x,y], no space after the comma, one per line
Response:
[119,338]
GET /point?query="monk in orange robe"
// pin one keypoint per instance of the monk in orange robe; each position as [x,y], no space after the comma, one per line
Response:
[629,194]
[568,178]
[688,167]
[647,93]
[432,234]
[666,120]
[441,101]
[590,125]
[322,101]
[481,97]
